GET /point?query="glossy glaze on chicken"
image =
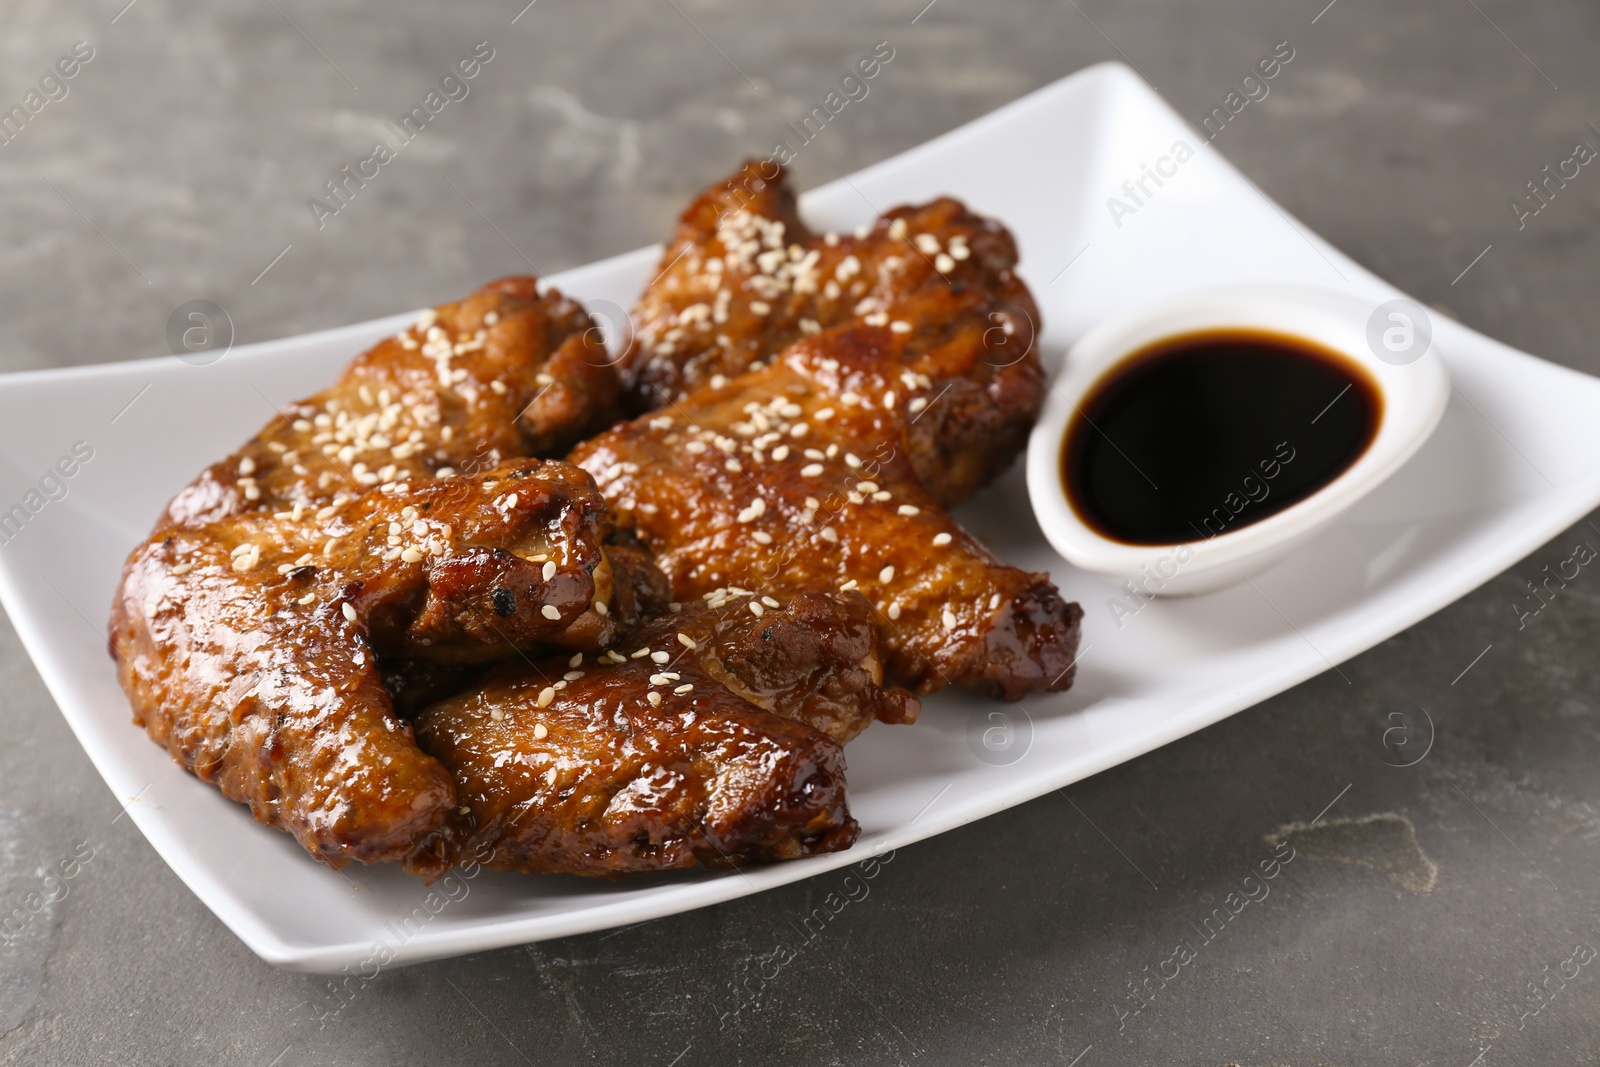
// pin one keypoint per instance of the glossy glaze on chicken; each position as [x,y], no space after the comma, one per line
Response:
[712,735]
[392,630]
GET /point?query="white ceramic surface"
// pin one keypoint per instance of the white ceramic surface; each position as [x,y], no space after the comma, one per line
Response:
[1413,396]
[1516,460]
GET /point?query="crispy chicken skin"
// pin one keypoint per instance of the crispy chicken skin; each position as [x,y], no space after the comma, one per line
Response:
[509,371]
[708,743]
[743,278]
[250,647]
[796,476]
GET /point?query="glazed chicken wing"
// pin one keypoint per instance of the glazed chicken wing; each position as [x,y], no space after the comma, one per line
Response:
[252,647]
[743,278]
[509,371]
[797,476]
[708,743]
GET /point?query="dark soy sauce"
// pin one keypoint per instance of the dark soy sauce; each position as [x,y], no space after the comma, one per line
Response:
[1206,433]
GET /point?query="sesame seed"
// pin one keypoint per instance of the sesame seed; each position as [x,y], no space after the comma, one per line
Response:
[546,695]
[888,400]
[686,641]
[497,714]
[757,508]
[780,453]
[824,415]
[907,509]
[811,470]
[540,731]
[756,609]
[181,569]
[601,608]
[659,679]
[511,501]
[900,326]
[349,611]
[247,466]
[944,264]
[411,555]
[307,599]
[572,676]
[887,574]
[916,405]
[549,571]
[761,537]
[894,611]
[847,586]
[941,539]
[640,654]
[550,611]
[575,660]
[654,698]
[659,656]
[949,619]
[684,688]
[829,534]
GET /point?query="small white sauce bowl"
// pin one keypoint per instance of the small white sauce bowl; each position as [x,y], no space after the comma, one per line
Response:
[1411,381]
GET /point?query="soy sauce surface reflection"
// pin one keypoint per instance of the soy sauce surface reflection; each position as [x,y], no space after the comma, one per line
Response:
[1206,433]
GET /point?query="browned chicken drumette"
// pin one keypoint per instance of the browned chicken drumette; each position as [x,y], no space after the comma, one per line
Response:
[252,647]
[707,743]
[743,278]
[799,476]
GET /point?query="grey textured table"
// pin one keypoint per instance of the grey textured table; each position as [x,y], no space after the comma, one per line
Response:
[178,166]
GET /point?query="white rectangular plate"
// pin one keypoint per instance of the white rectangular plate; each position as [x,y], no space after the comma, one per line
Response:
[1514,462]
